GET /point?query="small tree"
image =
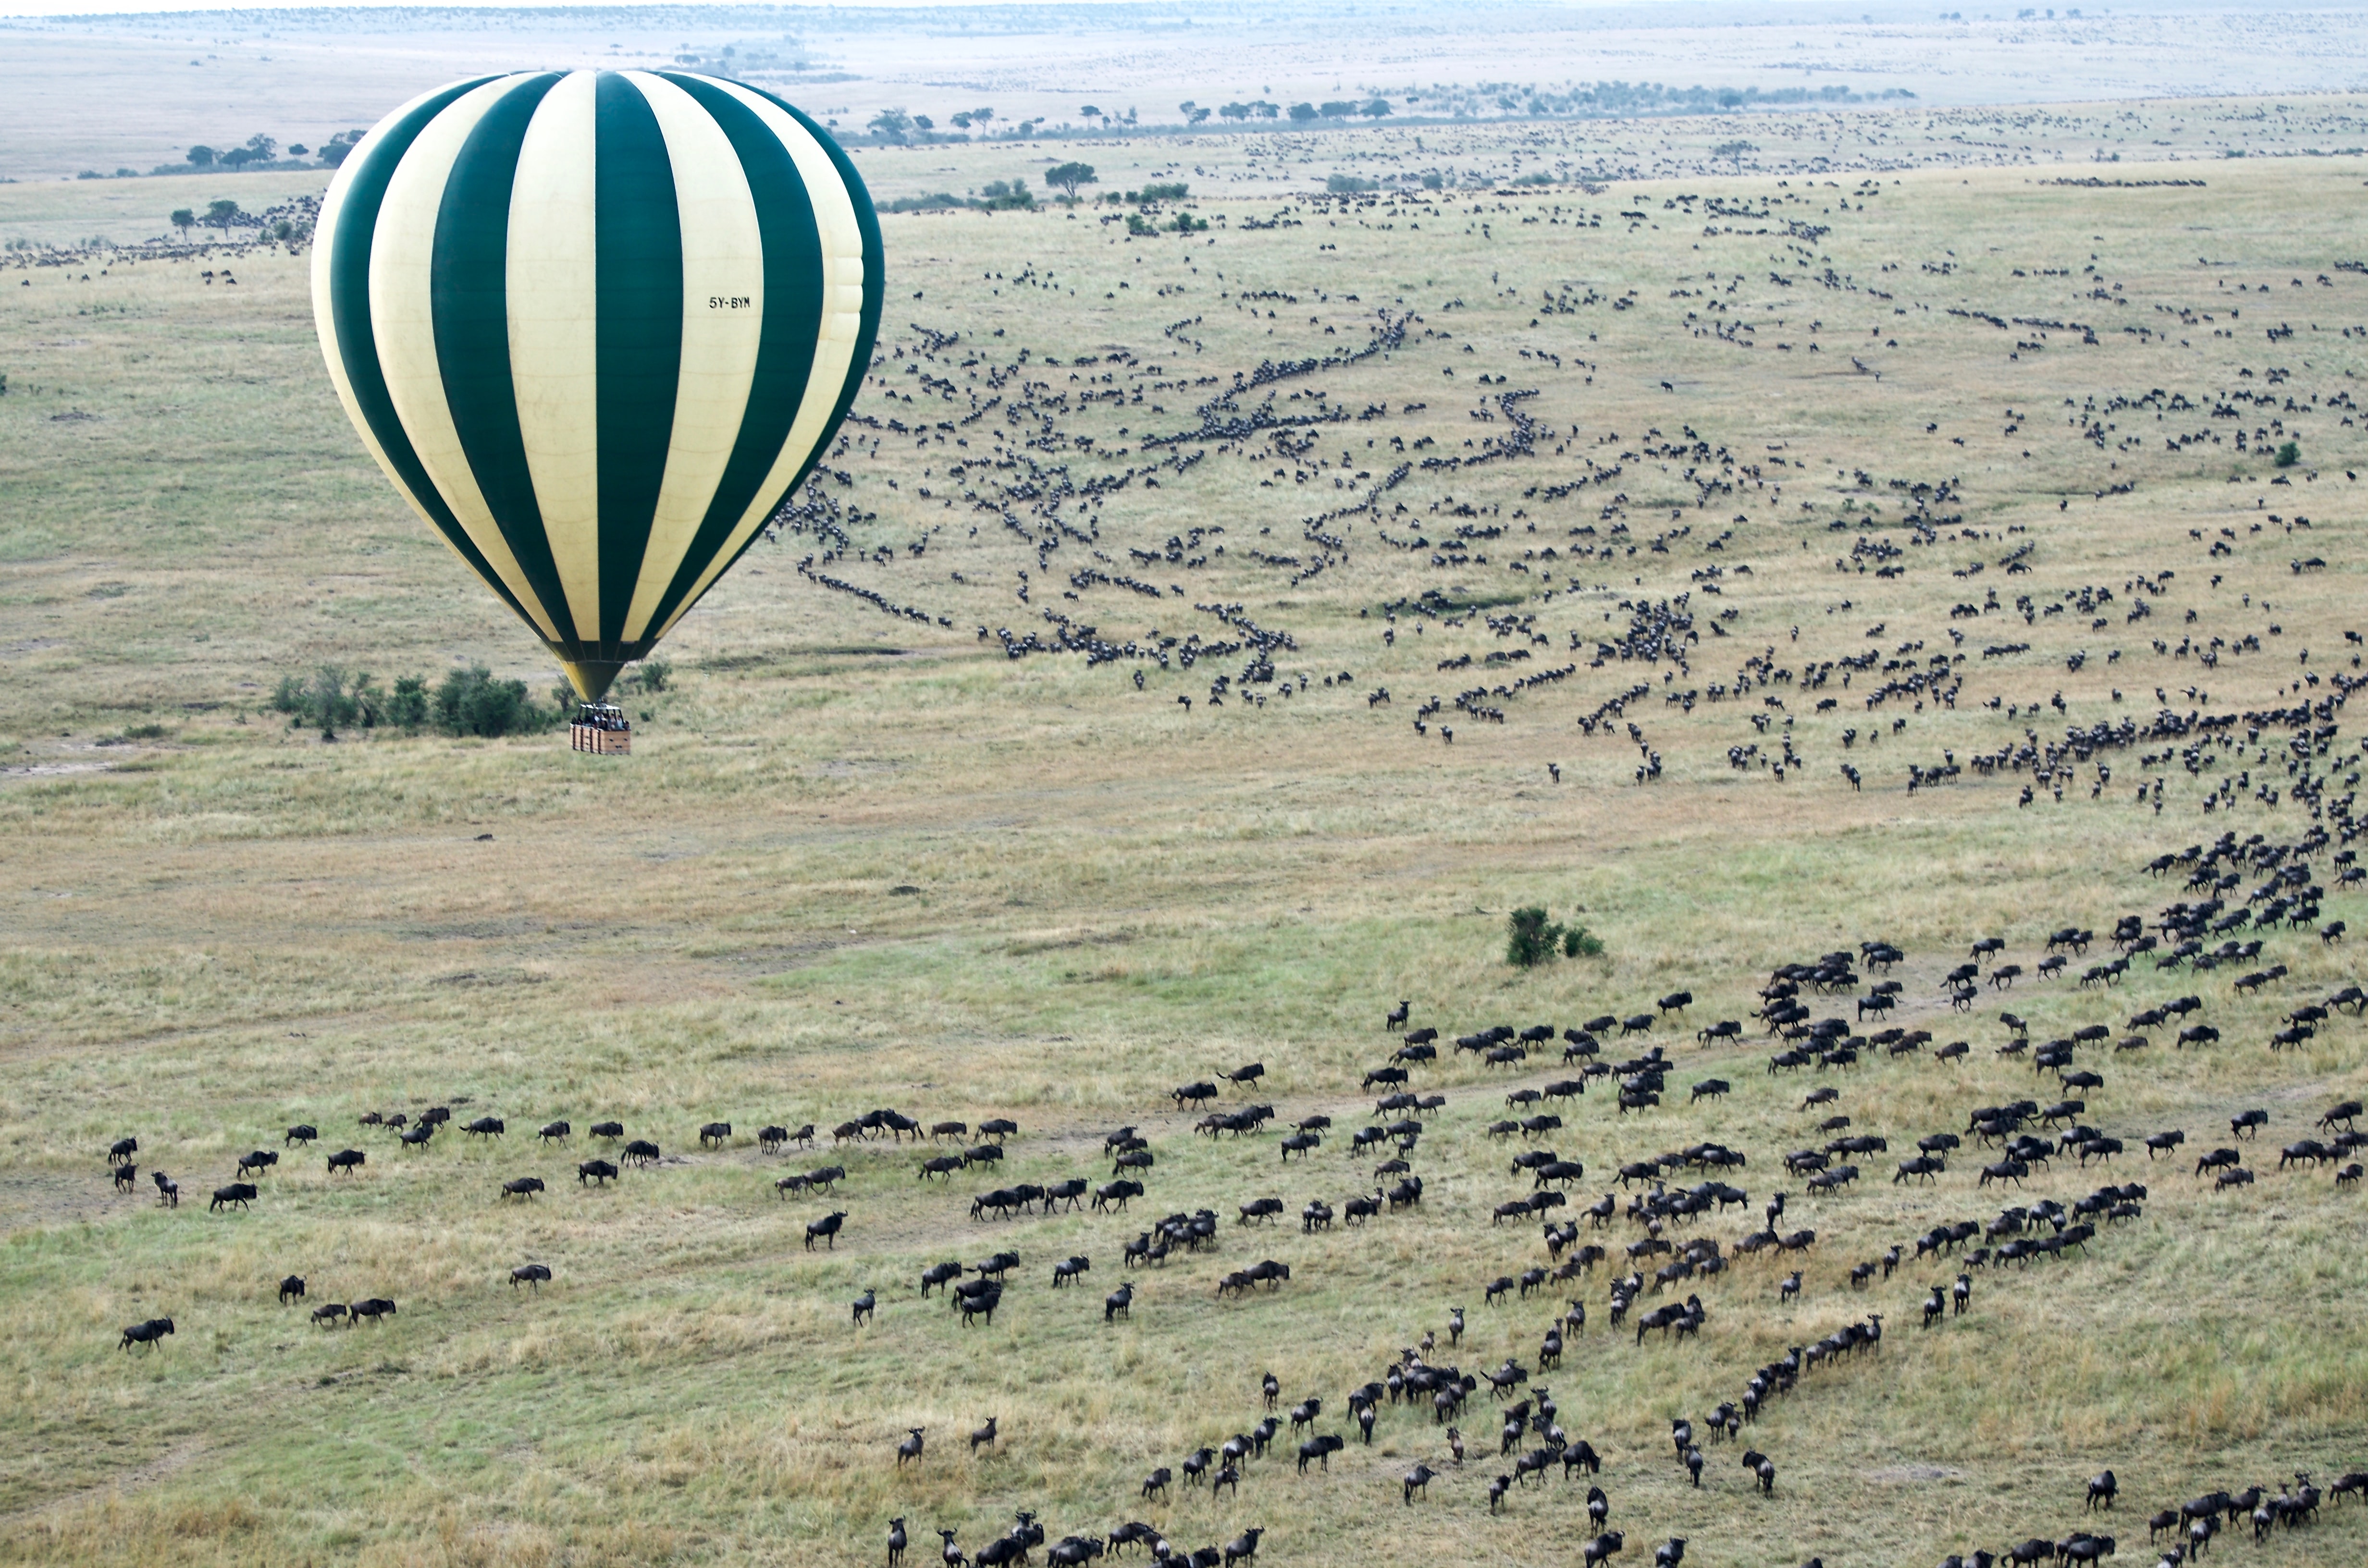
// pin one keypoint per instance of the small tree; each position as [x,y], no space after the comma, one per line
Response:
[184,220]
[1235,111]
[1199,116]
[891,124]
[1530,940]
[408,707]
[220,214]
[1376,107]
[924,122]
[202,156]
[2289,454]
[1302,113]
[1068,176]
[1335,109]
[263,147]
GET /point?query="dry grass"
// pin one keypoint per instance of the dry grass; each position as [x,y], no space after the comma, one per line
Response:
[229,928]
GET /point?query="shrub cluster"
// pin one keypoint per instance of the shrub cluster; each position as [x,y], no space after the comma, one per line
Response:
[465,702]
[1532,940]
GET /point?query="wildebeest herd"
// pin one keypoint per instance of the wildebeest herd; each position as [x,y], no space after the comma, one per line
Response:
[1647,1236]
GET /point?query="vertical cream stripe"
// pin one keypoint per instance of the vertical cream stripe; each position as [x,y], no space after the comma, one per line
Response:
[552,272]
[722,316]
[324,321]
[842,321]
[402,310]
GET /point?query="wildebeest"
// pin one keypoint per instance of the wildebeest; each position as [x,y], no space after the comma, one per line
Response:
[534,1274]
[522,1186]
[484,1127]
[291,1288]
[147,1333]
[300,1134]
[828,1228]
[554,1131]
[1119,1302]
[259,1160]
[377,1307]
[642,1152]
[715,1134]
[598,1171]
[238,1192]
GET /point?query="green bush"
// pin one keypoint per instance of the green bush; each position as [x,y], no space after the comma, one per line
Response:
[408,706]
[471,702]
[1531,939]
[2289,454]
[1349,184]
[329,702]
[1174,190]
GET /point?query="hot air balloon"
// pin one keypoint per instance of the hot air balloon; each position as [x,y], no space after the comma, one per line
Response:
[595,325]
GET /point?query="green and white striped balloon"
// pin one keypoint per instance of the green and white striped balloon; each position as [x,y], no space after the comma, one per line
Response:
[597,326]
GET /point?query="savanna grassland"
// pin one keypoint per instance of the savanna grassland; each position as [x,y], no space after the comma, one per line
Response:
[962,848]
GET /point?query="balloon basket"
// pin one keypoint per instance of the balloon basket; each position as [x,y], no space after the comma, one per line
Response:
[601,729]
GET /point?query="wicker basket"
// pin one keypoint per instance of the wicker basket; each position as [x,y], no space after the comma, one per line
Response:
[602,732]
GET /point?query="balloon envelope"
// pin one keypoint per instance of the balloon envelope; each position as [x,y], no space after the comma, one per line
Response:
[596,326]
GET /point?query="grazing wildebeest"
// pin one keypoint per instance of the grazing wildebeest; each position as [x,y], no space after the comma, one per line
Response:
[534,1274]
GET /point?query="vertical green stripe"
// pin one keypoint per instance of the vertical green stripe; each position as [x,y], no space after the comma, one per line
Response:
[793,304]
[638,248]
[875,287]
[875,284]
[350,259]
[469,299]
